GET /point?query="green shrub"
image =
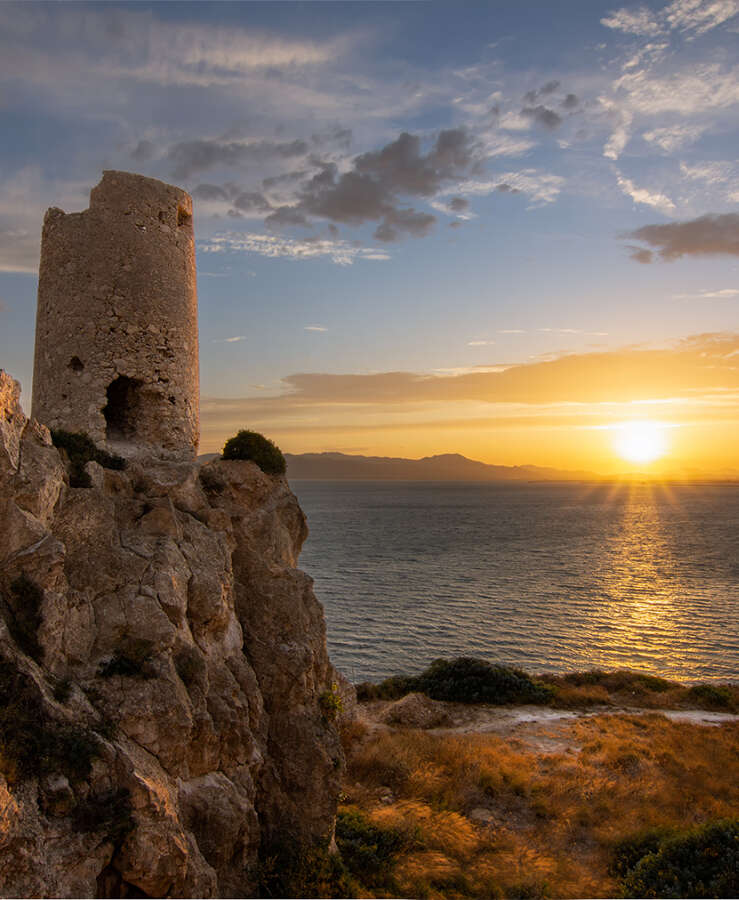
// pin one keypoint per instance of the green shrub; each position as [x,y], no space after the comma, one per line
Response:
[257,448]
[290,870]
[390,689]
[368,852]
[701,862]
[628,851]
[131,660]
[619,680]
[22,613]
[31,742]
[462,680]
[714,696]
[80,450]
[470,680]
[110,813]
[329,703]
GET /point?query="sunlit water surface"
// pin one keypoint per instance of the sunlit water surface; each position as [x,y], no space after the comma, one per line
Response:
[545,577]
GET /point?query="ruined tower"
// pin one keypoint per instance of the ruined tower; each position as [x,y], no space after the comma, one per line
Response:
[116,327]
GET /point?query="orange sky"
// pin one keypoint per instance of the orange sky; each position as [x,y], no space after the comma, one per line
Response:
[557,412]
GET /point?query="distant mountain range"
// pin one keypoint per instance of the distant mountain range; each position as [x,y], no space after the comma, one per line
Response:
[445,467]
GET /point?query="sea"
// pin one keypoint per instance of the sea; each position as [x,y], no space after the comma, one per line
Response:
[545,577]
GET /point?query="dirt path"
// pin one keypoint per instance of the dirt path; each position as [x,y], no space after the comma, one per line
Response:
[540,728]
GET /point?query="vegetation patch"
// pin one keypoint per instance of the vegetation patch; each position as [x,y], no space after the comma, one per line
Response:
[368,852]
[256,448]
[329,702]
[133,659]
[22,614]
[480,815]
[700,862]
[110,813]
[714,696]
[80,450]
[291,870]
[463,680]
[32,743]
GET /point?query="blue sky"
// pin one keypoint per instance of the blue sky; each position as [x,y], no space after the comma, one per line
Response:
[425,188]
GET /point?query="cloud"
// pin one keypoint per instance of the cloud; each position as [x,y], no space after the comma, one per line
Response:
[638,21]
[340,252]
[143,151]
[703,365]
[230,340]
[315,328]
[641,195]
[571,101]
[709,235]
[511,331]
[480,343]
[190,157]
[540,187]
[371,189]
[674,137]
[542,116]
[696,16]
[722,294]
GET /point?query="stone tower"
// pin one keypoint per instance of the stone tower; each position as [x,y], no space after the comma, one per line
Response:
[116,326]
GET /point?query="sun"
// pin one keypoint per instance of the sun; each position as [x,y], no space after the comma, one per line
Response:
[641,441]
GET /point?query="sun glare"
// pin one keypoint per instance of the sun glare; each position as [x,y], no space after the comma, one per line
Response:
[641,441]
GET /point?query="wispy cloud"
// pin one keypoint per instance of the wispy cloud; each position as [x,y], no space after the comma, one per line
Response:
[230,340]
[693,16]
[315,328]
[340,252]
[540,187]
[574,331]
[642,195]
[722,294]
[511,331]
[674,137]
[481,343]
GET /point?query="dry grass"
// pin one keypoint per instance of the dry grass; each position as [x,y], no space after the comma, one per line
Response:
[552,819]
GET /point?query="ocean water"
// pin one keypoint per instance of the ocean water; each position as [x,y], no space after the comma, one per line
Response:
[547,577]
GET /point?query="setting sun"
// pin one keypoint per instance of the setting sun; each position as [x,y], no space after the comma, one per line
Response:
[640,441]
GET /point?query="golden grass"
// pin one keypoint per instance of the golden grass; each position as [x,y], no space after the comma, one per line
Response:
[553,819]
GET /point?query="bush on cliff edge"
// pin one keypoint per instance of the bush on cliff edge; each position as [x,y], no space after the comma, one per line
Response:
[256,448]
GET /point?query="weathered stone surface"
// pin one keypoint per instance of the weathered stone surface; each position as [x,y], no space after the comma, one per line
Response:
[177,633]
[116,330]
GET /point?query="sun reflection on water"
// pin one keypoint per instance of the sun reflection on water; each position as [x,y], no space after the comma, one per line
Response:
[642,575]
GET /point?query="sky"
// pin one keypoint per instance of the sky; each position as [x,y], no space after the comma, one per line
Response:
[497,229]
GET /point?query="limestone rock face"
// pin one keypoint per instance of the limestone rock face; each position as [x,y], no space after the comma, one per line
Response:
[156,635]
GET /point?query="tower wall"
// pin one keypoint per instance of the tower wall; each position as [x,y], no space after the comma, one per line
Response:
[116,328]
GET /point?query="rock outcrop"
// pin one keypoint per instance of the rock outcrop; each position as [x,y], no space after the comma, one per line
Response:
[163,675]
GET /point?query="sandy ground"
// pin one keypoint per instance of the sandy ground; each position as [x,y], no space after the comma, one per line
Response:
[536,727]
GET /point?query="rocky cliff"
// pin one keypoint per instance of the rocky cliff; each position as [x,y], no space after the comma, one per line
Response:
[166,706]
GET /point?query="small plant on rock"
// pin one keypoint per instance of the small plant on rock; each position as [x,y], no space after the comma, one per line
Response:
[329,702]
[252,446]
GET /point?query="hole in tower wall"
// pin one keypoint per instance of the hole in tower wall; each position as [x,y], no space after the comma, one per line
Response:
[76,364]
[122,409]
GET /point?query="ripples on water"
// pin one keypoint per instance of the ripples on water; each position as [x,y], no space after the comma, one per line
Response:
[546,577]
